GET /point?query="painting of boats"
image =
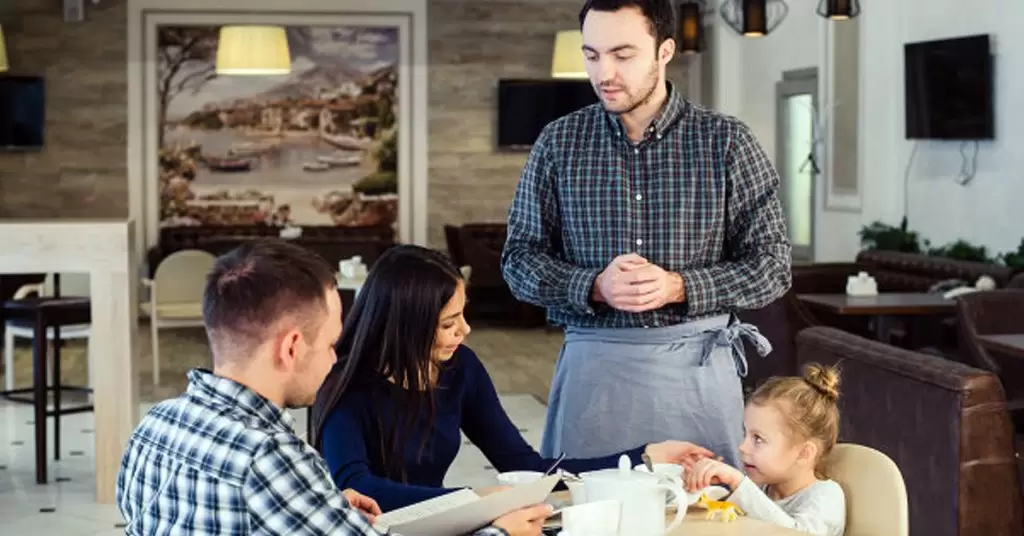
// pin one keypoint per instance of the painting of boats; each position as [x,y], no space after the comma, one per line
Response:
[327,130]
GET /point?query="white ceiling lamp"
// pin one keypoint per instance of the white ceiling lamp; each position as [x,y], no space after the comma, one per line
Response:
[253,50]
[3,52]
[567,60]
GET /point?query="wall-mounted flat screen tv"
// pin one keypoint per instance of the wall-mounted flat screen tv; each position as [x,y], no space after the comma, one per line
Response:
[949,89]
[525,107]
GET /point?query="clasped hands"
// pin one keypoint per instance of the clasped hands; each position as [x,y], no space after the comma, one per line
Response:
[633,284]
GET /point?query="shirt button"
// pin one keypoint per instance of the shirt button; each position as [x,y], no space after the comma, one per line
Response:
[637,151]
[658,136]
[639,197]
[646,326]
[639,242]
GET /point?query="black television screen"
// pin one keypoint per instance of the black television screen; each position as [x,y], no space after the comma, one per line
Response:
[525,107]
[22,112]
[949,89]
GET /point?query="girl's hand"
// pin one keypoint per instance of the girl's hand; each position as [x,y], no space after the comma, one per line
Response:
[709,472]
[677,452]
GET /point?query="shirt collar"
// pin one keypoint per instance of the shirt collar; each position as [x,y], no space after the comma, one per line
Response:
[673,109]
[224,392]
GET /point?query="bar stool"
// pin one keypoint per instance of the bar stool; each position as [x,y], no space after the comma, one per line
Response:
[43,314]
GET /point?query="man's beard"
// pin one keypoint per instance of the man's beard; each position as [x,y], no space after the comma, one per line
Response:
[643,96]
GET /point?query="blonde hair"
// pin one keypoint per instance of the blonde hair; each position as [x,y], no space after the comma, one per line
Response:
[809,404]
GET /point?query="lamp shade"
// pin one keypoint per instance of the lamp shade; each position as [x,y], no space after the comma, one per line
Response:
[691,28]
[567,60]
[754,18]
[3,52]
[839,9]
[253,50]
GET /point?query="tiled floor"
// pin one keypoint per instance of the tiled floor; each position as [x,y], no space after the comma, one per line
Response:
[67,506]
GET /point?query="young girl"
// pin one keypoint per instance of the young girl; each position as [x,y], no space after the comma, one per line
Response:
[791,426]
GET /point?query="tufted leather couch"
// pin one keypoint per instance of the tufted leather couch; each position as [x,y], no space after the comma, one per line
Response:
[894,272]
[945,424]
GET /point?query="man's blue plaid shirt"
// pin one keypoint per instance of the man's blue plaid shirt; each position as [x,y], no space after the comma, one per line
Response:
[697,195]
[221,459]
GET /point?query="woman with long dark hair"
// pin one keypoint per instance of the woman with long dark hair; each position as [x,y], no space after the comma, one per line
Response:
[389,415]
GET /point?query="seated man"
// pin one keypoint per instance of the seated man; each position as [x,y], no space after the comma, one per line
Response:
[223,458]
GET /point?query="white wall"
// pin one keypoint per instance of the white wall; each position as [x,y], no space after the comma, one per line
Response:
[990,211]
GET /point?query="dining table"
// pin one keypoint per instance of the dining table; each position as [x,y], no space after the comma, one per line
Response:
[883,307]
[1008,343]
[696,524]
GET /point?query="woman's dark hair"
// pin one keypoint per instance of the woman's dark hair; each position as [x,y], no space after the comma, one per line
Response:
[389,334]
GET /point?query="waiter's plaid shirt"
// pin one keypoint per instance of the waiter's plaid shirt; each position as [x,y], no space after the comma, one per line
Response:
[698,196]
[221,459]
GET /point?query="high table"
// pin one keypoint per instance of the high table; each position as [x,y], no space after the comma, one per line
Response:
[106,250]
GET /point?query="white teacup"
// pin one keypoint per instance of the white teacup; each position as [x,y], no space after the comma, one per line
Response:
[599,518]
[517,478]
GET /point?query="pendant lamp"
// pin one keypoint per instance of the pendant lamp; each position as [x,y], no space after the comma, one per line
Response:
[3,52]
[253,50]
[839,9]
[567,59]
[754,18]
[691,27]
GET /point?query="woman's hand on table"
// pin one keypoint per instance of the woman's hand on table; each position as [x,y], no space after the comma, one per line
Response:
[526,521]
[679,452]
[709,472]
[366,506]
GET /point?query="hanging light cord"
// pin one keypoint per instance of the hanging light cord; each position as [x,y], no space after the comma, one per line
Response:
[906,180]
[968,165]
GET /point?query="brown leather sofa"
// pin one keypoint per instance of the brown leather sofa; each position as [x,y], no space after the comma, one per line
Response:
[894,272]
[479,246]
[945,424]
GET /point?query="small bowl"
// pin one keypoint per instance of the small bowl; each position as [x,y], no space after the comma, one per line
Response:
[517,478]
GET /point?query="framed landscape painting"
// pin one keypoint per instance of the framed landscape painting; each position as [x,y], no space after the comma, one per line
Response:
[335,142]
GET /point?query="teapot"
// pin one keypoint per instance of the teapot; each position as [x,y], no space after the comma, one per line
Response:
[642,495]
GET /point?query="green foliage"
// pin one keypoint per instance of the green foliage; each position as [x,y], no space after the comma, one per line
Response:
[380,183]
[1014,259]
[882,236]
[387,153]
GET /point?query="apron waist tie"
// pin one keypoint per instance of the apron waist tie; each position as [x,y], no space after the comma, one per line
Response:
[731,336]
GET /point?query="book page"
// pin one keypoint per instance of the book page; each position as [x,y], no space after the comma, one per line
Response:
[426,508]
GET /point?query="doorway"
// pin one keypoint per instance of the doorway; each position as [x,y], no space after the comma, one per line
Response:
[796,159]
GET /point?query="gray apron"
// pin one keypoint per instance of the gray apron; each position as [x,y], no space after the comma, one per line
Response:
[619,388]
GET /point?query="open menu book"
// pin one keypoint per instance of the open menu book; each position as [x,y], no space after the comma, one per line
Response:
[463,511]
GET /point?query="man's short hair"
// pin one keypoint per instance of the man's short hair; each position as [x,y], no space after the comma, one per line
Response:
[254,286]
[659,13]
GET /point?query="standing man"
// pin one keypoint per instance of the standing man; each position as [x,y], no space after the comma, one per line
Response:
[642,224]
